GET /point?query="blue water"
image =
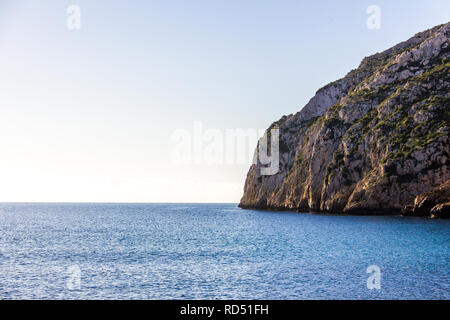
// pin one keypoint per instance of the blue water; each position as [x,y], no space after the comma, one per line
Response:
[215,251]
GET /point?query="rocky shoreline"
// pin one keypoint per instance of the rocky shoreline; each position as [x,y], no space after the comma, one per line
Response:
[359,212]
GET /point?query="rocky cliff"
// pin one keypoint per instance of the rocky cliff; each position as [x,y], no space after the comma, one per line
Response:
[373,142]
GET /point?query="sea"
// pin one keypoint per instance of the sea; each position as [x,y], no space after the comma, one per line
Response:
[217,251]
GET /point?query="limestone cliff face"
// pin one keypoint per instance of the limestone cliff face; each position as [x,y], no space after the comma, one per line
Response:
[370,142]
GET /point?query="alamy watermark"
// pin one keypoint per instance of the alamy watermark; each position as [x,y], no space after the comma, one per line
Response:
[74,278]
[374,281]
[227,147]
[373,21]
[74,19]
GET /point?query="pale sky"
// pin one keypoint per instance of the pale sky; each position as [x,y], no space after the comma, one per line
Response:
[87,115]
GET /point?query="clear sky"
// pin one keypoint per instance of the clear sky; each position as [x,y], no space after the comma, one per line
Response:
[88,114]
